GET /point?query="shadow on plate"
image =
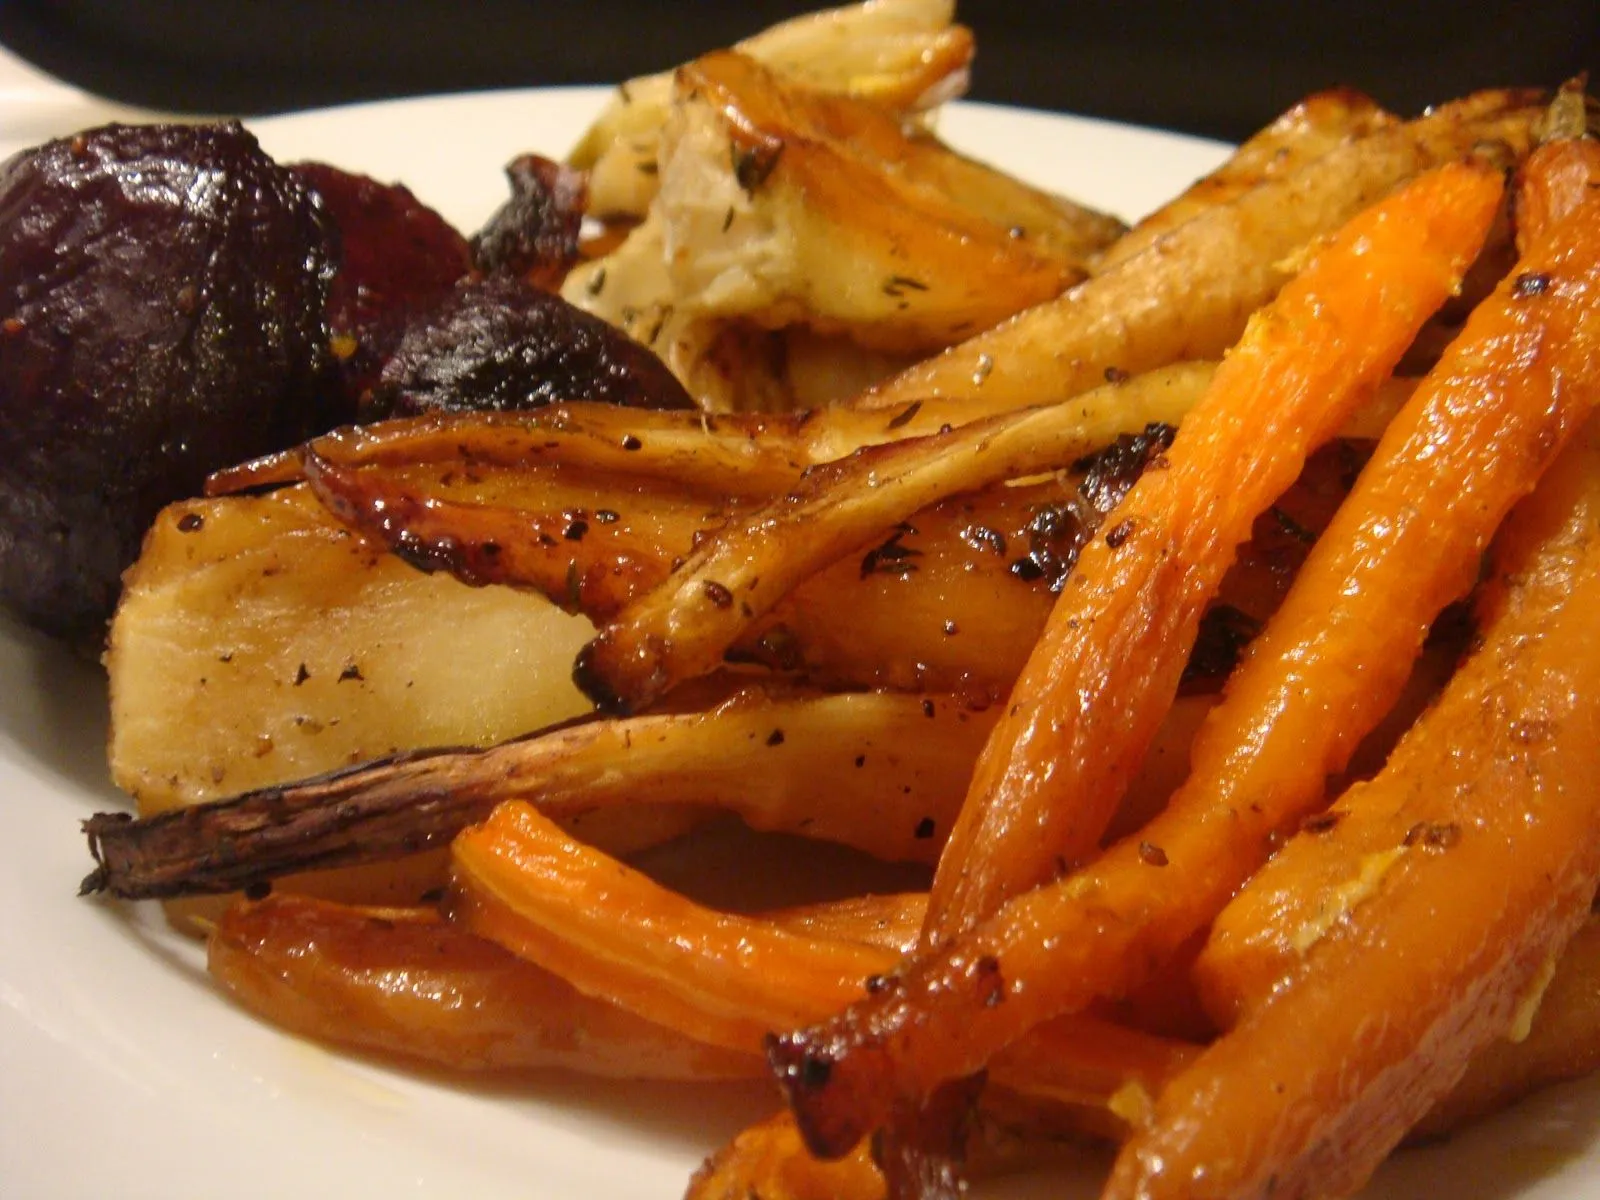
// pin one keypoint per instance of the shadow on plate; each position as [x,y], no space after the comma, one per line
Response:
[54,712]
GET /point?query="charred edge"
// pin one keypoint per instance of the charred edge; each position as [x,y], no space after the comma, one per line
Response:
[589,679]
[754,163]
[903,417]
[1224,633]
[805,1072]
[369,812]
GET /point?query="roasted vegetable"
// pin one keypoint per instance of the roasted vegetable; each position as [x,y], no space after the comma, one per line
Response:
[500,344]
[535,233]
[161,299]
[395,257]
[1189,293]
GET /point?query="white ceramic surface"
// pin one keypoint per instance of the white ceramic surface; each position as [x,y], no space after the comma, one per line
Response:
[121,1072]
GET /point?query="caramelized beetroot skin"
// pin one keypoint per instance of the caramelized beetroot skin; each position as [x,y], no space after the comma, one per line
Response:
[396,257]
[500,344]
[161,315]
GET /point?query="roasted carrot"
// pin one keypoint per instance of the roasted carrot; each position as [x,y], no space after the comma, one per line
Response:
[769,1161]
[1560,1040]
[1106,667]
[404,982]
[612,932]
[725,978]
[1006,1132]
[1310,887]
[1492,802]
[1509,395]
[1101,931]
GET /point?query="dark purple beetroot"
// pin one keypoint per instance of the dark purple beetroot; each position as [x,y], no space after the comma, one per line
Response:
[499,345]
[396,257]
[161,301]
[535,233]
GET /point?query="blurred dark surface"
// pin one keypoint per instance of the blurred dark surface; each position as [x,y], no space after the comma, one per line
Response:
[1218,67]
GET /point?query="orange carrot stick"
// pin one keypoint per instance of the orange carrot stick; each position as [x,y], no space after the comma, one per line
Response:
[726,979]
[1100,932]
[1502,404]
[522,882]
[1492,809]
[1094,691]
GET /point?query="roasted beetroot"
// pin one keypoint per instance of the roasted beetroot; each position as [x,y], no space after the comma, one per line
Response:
[396,257]
[502,344]
[161,315]
[535,233]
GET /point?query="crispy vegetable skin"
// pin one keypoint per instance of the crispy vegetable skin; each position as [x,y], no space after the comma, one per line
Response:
[535,234]
[906,1040]
[741,454]
[153,279]
[1490,809]
[1190,295]
[405,982]
[950,599]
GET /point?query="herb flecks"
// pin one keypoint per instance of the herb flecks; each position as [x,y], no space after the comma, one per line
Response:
[893,557]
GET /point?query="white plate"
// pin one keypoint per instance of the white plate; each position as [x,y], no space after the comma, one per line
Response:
[123,1074]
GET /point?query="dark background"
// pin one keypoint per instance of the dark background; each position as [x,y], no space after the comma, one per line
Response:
[1219,68]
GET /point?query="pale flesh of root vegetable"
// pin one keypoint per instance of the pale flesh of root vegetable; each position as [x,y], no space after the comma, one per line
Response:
[907,55]
[258,641]
[1189,294]
[825,214]
[1488,834]
[899,1042]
